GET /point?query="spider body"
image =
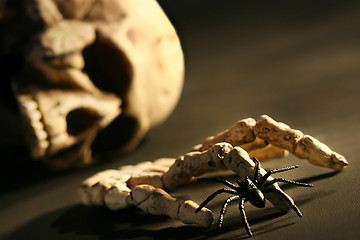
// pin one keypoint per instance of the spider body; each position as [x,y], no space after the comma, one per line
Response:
[252,190]
[255,196]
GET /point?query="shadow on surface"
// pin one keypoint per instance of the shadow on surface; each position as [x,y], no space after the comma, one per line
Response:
[100,223]
[78,220]
[16,160]
[132,223]
[234,227]
[31,172]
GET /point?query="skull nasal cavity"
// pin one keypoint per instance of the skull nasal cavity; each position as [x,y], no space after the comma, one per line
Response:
[80,120]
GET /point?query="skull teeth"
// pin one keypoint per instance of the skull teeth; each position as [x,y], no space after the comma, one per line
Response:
[39,139]
[35,116]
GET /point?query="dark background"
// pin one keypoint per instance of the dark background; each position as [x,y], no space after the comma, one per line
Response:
[297,61]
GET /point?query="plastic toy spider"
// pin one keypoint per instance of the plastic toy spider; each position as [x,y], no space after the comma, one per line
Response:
[252,191]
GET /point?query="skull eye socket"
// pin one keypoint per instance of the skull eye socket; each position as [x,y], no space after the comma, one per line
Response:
[108,67]
[81,119]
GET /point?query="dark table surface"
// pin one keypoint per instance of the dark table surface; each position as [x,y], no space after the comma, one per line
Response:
[297,61]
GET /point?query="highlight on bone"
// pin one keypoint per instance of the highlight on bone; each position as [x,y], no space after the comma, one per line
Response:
[264,139]
[158,202]
[123,56]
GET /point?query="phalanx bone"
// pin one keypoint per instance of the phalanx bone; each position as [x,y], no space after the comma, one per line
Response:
[232,149]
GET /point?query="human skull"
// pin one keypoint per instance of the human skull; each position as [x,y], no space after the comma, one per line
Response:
[97,76]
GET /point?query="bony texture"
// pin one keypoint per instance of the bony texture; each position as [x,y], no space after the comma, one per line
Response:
[116,197]
[123,56]
[242,134]
[111,187]
[93,189]
[266,139]
[302,146]
[158,202]
[115,185]
[142,184]
[238,134]
[219,156]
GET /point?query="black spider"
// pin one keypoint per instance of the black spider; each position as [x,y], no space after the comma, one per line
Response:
[252,191]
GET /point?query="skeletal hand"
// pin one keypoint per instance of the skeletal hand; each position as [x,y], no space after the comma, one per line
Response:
[264,139]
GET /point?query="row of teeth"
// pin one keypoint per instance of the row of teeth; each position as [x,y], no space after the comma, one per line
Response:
[31,111]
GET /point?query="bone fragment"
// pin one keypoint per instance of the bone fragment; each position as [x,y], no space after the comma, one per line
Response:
[55,122]
[111,187]
[257,143]
[195,164]
[115,197]
[150,178]
[58,54]
[158,202]
[219,156]
[263,151]
[302,146]
[238,134]
[268,152]
[67,36]
[151,175]
[93,189]
[273,140]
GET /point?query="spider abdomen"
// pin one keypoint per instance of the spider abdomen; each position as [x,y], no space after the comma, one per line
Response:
[252,193]
[256,197]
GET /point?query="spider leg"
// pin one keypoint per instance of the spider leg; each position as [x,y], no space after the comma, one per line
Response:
[287,198]
[286,181]
[223,209]
[243,216]
[257,169]
[267,175]
[208,199]
[219,180]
